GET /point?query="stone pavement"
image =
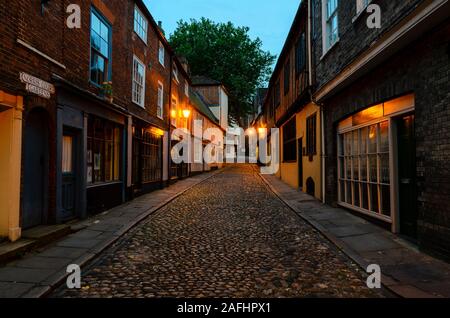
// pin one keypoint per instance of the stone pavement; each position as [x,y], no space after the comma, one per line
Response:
[39,272]
[406,271]
[229,236]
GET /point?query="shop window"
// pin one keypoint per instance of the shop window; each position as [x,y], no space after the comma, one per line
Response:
[100,49]
[364,171]
[103,151]
[290,141]
[147,156]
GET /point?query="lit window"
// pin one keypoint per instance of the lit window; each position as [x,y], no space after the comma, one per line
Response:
[330,18]
[160,107]
[138,82]
[161,54]
[363,169]
[140,24]
[174,112]
[100,49]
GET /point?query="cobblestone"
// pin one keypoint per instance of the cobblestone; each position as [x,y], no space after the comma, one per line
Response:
[226,237]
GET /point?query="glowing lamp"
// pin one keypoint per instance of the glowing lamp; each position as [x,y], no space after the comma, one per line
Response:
[186,113]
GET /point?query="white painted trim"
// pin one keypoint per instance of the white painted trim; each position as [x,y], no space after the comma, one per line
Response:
[33,49]
[379,47]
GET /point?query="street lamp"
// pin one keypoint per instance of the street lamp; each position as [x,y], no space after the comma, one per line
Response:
[186,113]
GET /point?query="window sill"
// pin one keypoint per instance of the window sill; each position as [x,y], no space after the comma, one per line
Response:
[102,184]
[358,15]
[137,104]
[145,42]
[329,49]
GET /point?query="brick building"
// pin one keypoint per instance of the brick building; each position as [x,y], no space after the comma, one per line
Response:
[385,98]
[85,113]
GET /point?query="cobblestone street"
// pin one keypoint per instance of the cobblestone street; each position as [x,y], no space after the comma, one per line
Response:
[226,237]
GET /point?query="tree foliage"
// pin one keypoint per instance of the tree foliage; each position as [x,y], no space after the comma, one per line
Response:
[226,53]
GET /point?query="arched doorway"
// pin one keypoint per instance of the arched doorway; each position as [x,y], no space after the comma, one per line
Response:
[36,167]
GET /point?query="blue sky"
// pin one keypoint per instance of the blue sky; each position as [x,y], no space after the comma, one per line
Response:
[269,20]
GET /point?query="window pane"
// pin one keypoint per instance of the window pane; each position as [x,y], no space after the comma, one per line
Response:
[348,193]
[363,162]
[356,197]
[373,168]
[386,200]
[384,173]
[384,136]
[372,139]
[374,198]
[364,197]
[67,154]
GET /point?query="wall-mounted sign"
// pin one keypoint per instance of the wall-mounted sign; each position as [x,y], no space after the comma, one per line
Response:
[37,86]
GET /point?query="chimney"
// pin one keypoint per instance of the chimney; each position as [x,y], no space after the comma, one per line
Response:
[160,27]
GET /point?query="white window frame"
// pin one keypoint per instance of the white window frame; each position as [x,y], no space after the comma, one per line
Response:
[175,73]
[186,89]
[140,24]
[361,5]
[161,54]
[174,106]
[160,104]
[327,20]
[139,100]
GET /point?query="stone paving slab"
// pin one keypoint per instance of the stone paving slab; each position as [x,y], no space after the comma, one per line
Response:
[405,271]
[38,273]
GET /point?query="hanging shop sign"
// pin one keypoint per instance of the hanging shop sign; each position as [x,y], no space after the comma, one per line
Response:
[37,86]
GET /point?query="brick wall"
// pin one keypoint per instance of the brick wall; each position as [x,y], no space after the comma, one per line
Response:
[422,68]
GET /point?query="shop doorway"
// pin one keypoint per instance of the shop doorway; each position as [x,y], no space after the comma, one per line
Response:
[69,175]
[36,169]
[407,175]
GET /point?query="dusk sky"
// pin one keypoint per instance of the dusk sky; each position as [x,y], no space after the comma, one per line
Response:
[269,20]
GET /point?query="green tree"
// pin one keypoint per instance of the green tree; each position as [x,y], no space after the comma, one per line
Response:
[226,53]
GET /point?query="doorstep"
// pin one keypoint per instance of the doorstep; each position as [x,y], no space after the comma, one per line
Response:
[31,239]
[405,271]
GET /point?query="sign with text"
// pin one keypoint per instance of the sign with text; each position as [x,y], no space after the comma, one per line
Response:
[37,86]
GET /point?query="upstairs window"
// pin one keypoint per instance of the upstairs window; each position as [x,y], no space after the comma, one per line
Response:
[140,24]
[161,54]
[300,54]
[138,82]
[361,5]
[160,106]
[174,112]
[330,18]
[100,49]
[287,77]
[175,73]
[277,94]
[186,89]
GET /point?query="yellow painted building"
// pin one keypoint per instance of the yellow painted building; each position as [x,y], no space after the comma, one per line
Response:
[11,109]
[302,169]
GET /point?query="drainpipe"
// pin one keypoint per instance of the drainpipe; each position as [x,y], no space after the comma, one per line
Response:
[169,137]
[322,126]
